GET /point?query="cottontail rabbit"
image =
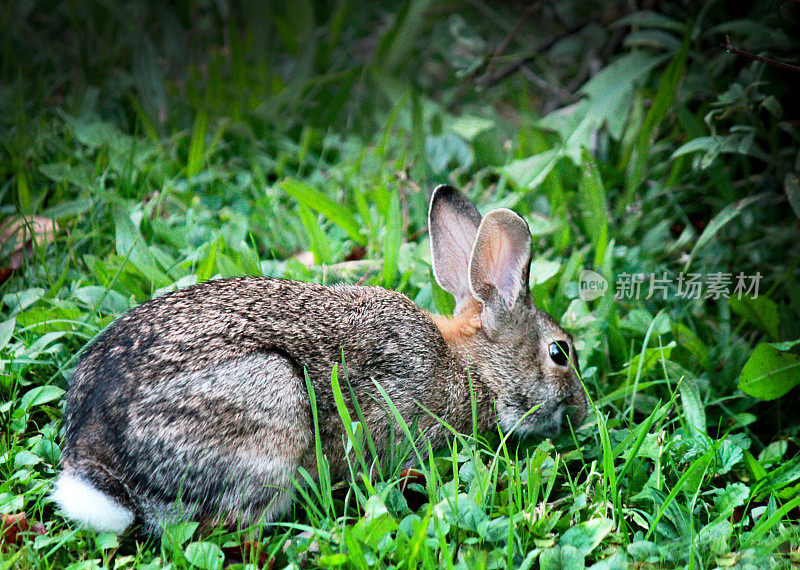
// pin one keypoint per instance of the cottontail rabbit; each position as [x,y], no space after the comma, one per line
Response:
[194,405]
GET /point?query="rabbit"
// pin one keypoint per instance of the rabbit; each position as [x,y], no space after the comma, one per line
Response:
[194,405]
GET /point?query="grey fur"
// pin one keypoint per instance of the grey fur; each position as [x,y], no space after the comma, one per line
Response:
[198,399]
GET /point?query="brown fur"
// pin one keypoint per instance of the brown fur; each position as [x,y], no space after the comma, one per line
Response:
[457,329]
[198,398]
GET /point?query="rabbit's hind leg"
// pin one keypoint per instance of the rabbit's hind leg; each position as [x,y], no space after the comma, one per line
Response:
[222,444]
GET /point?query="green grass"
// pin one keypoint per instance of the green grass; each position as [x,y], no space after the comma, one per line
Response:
[216,141]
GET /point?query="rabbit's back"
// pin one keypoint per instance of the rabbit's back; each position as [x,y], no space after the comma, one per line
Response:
[379,334]
[192,328]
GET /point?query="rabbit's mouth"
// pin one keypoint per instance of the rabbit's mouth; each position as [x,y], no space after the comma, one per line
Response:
[544,421]
[551,430]
[549,422]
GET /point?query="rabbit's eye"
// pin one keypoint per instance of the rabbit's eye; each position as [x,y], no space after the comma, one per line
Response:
[559,352]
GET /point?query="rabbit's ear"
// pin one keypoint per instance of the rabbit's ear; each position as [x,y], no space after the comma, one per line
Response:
[453,221]
[501,260]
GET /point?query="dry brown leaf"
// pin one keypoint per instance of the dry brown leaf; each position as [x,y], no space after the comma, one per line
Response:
[24,230]
[356,254]
[24,233]
[413,498]
[411,475]
[10,528]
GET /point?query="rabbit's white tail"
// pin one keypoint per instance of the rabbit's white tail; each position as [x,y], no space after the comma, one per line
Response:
[85,503]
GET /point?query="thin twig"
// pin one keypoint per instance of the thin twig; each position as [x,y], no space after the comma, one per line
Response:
[730,48]
[364,277]
[404,177]
[501,48]
[486,81]
[563,95]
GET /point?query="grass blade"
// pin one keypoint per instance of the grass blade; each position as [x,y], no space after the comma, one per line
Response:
[392,240]
[130,243]
[595,206]
[194,163]
[727,214]
[696,471]
[316,200]
[662,102]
